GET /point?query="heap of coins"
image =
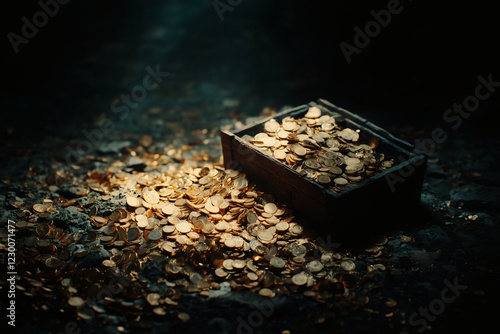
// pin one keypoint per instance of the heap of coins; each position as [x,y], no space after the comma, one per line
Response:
[206,227]
[317,147]
[212,225]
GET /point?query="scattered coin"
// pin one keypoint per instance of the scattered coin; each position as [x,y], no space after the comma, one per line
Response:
[76,301]
[39,208]
[153,299]
[270,208]
[184,227]
[299,279]
[151,196]
[277,262]
[245,240]
[133,202]
[266,292]
[184,317]
[314,266]
[347,265]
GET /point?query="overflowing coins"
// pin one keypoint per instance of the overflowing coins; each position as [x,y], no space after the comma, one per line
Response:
[318,147]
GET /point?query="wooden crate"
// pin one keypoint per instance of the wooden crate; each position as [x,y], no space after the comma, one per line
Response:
[378,201]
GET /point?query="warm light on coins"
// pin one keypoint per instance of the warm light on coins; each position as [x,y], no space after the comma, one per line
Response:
[317,147]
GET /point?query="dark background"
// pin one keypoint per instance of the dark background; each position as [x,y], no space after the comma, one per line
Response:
[264,53]
[270,53]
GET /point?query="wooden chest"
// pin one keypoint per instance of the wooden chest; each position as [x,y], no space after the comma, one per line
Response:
[381,200]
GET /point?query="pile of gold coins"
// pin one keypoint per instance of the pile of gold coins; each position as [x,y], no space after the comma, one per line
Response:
[211,225]
[317,147]
[205,225]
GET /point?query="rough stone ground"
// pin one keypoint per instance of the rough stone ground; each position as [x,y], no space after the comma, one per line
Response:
[226,72]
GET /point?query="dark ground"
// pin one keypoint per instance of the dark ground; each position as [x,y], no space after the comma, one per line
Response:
[275,54]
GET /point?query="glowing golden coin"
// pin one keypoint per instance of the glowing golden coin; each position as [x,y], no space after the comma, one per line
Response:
[151,196]
[184,227]
[76,301]
[270,208]
[313,112]
[39,208]
[133,202]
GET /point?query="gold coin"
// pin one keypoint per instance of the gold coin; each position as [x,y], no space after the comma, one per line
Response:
[205,180]
[277,262]
[299,250]
[208,227]
[184,317]
[168,229]
[312,163]
[196,278]
[349,134]
[39,208]
[335,170]
[323,179]
[251,217]
[109,263]
[265,292]
[314,266]
[142,223]
[159,311]
[299,150]
[290,125]
[133,233]
[151,196]
[282,226]
[219,272]
[239,264]
[228,264]
[280,154]
[153,299]
[133,202]
[313,112]
[270,208]
[340,181]
[265,237]
[269,142]
[295,228]
[210,207]
[271,126]
[76,301]
[53,262]
[222,226]
[283,134]
[327,126]
[155,234]
[240,183]
[348,265]
[229,243]
[299,279]
[252,276]
[193,235]
[184,227]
